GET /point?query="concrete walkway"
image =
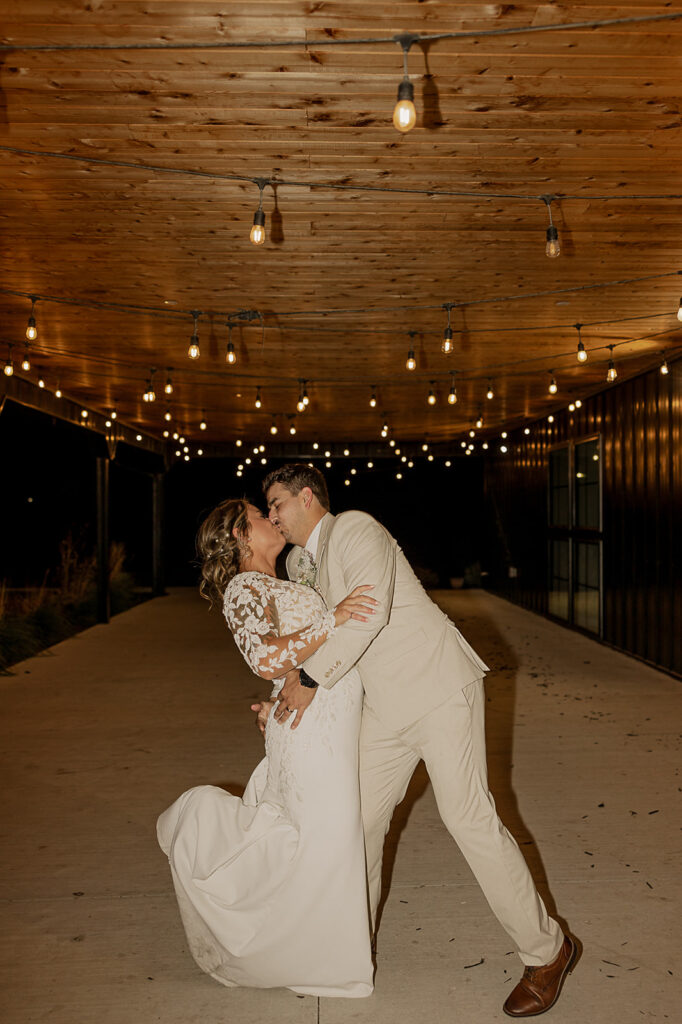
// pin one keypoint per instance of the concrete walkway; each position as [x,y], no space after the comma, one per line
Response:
[105,730]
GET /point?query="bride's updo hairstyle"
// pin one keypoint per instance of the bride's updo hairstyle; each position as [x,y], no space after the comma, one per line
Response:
[219,552]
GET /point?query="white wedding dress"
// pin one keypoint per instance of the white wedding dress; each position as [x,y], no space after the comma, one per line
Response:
[272,888]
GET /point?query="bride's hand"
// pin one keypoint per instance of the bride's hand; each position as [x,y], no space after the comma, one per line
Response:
[358,605]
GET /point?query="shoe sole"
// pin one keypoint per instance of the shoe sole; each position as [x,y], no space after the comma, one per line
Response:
[568,969]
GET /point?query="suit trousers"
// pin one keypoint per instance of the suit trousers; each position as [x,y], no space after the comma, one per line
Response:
[451,741]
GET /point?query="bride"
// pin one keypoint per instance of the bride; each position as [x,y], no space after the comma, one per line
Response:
[272,888]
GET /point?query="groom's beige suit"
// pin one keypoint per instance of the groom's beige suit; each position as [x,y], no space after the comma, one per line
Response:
[423,700]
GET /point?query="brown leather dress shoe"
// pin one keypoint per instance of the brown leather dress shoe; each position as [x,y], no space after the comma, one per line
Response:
[540,987]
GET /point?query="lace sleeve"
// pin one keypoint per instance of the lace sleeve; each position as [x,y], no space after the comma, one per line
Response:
[251,613]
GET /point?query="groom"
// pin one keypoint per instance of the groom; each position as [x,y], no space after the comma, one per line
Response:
[424,699]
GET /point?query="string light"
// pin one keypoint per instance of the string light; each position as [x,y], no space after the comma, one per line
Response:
[306,400]
[300,405]
[550,419]
[31,329]
[238,442]
[168,386]
[292,428]
[230,354]
[552,246]
[257,235]
[479,421]
[447,344]
[9,365]
[193,350]
[490,393]
[84,416]
[258,403]
[664,368]
[203,425]
[612,373]
[26,361]
[553,387]
[384,430]
[404,113]
[581,354]
[41,383]
[452,394]
[113,414]
[273,426]
[150,394]
[168,416]
[373,398]
[679,311]
[411,362]
[425,447]
[431,399]
[578,403]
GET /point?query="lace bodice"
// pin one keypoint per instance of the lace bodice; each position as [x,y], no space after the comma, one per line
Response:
[274,621]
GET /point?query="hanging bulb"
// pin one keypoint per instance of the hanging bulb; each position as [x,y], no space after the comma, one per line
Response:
[452,395]
[373,399]
[231,356]
[384,430]
[411,363]
[273,428]
[257,235]
[306,400]
[203,425]
[9,365]
[26,362]
[612,373]
[553,388]
[447,344]
[404,114]
[168,387]
[479,422]
[431,399]
[292,428]
[552,246]
[113,414]
[258,403]
[193,350]
[300,405]
[581,353]
[31,330]
[167,416]
[490,393]
[679,311]
[664,368]
[41,382]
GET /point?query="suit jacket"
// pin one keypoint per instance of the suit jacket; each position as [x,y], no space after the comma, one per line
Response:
[410,656]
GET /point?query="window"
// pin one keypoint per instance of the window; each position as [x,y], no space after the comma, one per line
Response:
[575,539]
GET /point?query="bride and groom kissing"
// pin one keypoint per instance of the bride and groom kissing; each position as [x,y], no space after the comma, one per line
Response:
[281,887]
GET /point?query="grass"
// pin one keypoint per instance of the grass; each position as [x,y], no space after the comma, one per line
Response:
[38,617]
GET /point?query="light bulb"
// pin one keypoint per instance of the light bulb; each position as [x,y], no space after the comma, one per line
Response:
[258,403]
[203,425]
[193,350]
[26,364]
[84,414]
[305,399]
[578,403]
[300,405]
[526,431]
[166,433]
[31,330]
[328,464]
[273,428]
[503,434]
[370,465]
[373,401]
[452,396]
[58,393]
[664,368]
[479,422]
[472,433]
[550,419]
[181,439]
[230,355]
[582,354]
[292,429]
[167,416]
[552,247]
[346,451]
[503,448]
[612,372]
[168,387]
[447,345]
[411,363]
[257,235]
[431,399]
[238,442]
[571,407]
[200,451]
[404,114]
[41,383]
[679,311]
[391,443]
[9,368]
[490,393]
[553,387]
[113,414]
[425,447]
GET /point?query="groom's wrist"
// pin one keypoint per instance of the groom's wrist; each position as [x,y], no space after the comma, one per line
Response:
[306,680]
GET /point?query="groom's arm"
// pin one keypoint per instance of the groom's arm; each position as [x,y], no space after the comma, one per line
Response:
[367,555]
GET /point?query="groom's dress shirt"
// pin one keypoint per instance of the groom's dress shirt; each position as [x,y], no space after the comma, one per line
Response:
[313,540]
[410,655]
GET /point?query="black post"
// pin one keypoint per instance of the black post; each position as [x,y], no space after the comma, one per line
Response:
[158,573]
[103,605]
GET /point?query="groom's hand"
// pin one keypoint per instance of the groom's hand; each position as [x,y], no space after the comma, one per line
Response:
[293,699]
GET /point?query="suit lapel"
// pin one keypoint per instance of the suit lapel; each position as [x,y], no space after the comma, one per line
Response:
[321,559]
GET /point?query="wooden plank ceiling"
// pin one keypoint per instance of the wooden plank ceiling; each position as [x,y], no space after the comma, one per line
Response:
[584,113]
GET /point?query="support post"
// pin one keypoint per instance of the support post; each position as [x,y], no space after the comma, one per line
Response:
[158,573]
[102,485]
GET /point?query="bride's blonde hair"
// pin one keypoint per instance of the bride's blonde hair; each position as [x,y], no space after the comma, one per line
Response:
[219,552]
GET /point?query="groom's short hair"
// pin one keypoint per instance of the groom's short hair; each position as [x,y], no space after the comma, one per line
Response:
[297,475]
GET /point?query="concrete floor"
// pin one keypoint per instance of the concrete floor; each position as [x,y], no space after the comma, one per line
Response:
[103,731]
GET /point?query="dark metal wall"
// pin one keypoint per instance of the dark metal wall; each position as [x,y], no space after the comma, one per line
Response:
[640,424]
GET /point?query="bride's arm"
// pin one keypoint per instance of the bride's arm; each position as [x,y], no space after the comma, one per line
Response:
[251,614]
